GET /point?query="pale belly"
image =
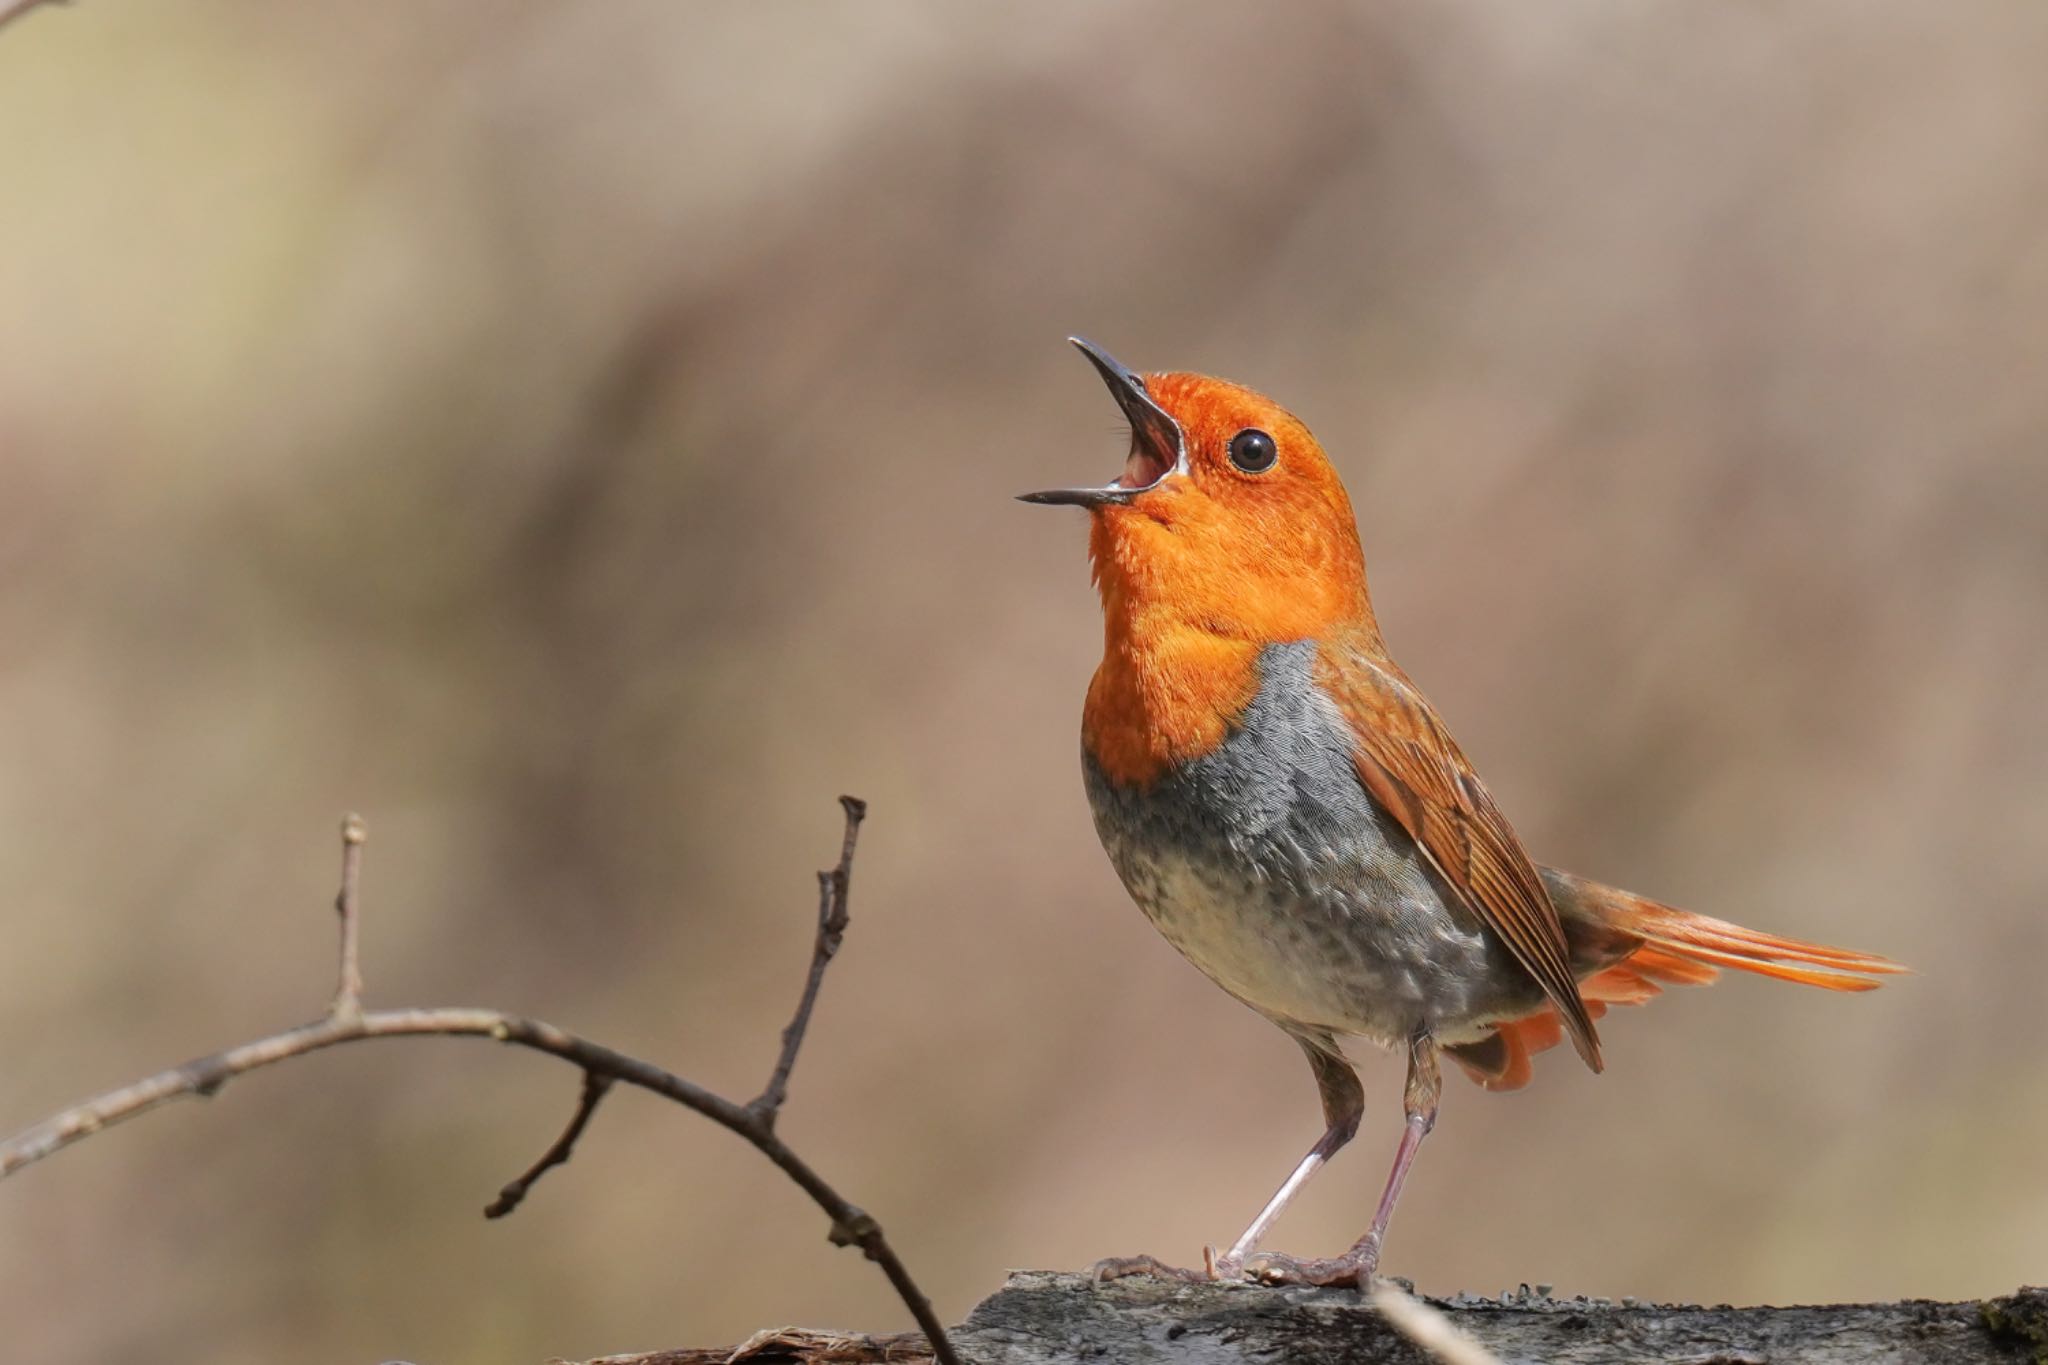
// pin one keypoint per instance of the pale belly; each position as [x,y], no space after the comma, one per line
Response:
[1269,867]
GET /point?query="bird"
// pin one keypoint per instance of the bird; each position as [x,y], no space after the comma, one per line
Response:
[1295,818]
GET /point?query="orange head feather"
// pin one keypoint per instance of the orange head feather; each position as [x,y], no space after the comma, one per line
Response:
[1227,531]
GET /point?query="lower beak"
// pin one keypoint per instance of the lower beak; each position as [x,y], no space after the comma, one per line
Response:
[1109,494]
[1157,448]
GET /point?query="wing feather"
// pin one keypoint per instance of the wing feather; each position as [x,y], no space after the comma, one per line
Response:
[1410,764]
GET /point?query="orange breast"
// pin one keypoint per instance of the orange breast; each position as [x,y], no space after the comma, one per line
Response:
[1163,697]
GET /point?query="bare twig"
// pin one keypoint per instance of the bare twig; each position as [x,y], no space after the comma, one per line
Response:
[1428,1328]
[348,1022]
[594,1087]
[348,991]
[832,921]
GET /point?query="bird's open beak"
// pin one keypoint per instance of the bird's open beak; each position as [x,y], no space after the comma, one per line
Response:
[1157,448]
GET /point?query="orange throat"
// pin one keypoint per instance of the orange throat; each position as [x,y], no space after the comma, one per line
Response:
[1180,658]
[1164,697]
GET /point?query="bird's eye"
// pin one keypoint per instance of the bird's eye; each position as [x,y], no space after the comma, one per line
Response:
[1253,451]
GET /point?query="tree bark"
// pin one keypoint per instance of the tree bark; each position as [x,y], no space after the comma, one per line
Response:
[1047,1319]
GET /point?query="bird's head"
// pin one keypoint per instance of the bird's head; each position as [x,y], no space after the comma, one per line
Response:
[1227,517]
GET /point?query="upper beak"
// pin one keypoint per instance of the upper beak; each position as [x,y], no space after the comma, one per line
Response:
[1157,448]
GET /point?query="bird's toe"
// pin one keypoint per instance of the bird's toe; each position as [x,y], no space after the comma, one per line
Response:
[1272,1267]
[1150,1267]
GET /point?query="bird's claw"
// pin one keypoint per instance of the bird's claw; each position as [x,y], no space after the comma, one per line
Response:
[1352,1269]
[1217,1267]
[1222,1266]
[1121,1267]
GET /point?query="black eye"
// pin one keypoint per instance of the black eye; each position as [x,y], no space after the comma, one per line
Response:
[1253,451]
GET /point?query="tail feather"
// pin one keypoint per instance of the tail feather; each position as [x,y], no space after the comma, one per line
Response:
[1644,973]
[1826,979]
[1669,969]
[1645,946]
[1502,1060]
[1703,939]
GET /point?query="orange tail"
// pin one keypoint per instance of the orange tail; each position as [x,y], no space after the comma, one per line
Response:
[1672,947]
[1708,942]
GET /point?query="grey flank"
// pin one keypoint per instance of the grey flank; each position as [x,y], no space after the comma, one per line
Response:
[1269,867]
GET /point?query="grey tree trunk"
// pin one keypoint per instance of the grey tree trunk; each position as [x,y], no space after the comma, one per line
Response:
[1046,1319]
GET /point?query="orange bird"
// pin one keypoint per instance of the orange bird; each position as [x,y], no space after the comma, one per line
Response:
[1293,816]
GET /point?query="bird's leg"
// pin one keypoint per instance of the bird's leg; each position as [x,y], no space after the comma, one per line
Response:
[1356,1266]
[1343,1106]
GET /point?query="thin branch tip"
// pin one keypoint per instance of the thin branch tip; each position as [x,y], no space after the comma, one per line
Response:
[348,989]
[595,1085]
[833,884]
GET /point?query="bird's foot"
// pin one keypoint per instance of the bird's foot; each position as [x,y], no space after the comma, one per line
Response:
[1151,1267]
[1354,1268]
[1215,1266]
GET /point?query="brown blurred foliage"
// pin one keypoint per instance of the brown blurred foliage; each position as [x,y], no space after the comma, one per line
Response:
[581,437]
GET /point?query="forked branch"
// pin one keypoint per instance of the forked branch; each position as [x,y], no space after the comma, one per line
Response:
[347,1021]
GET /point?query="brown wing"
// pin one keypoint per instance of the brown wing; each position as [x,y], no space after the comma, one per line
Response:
[1413,768]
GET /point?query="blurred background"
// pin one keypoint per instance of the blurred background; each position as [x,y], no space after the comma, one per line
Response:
[582,439]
